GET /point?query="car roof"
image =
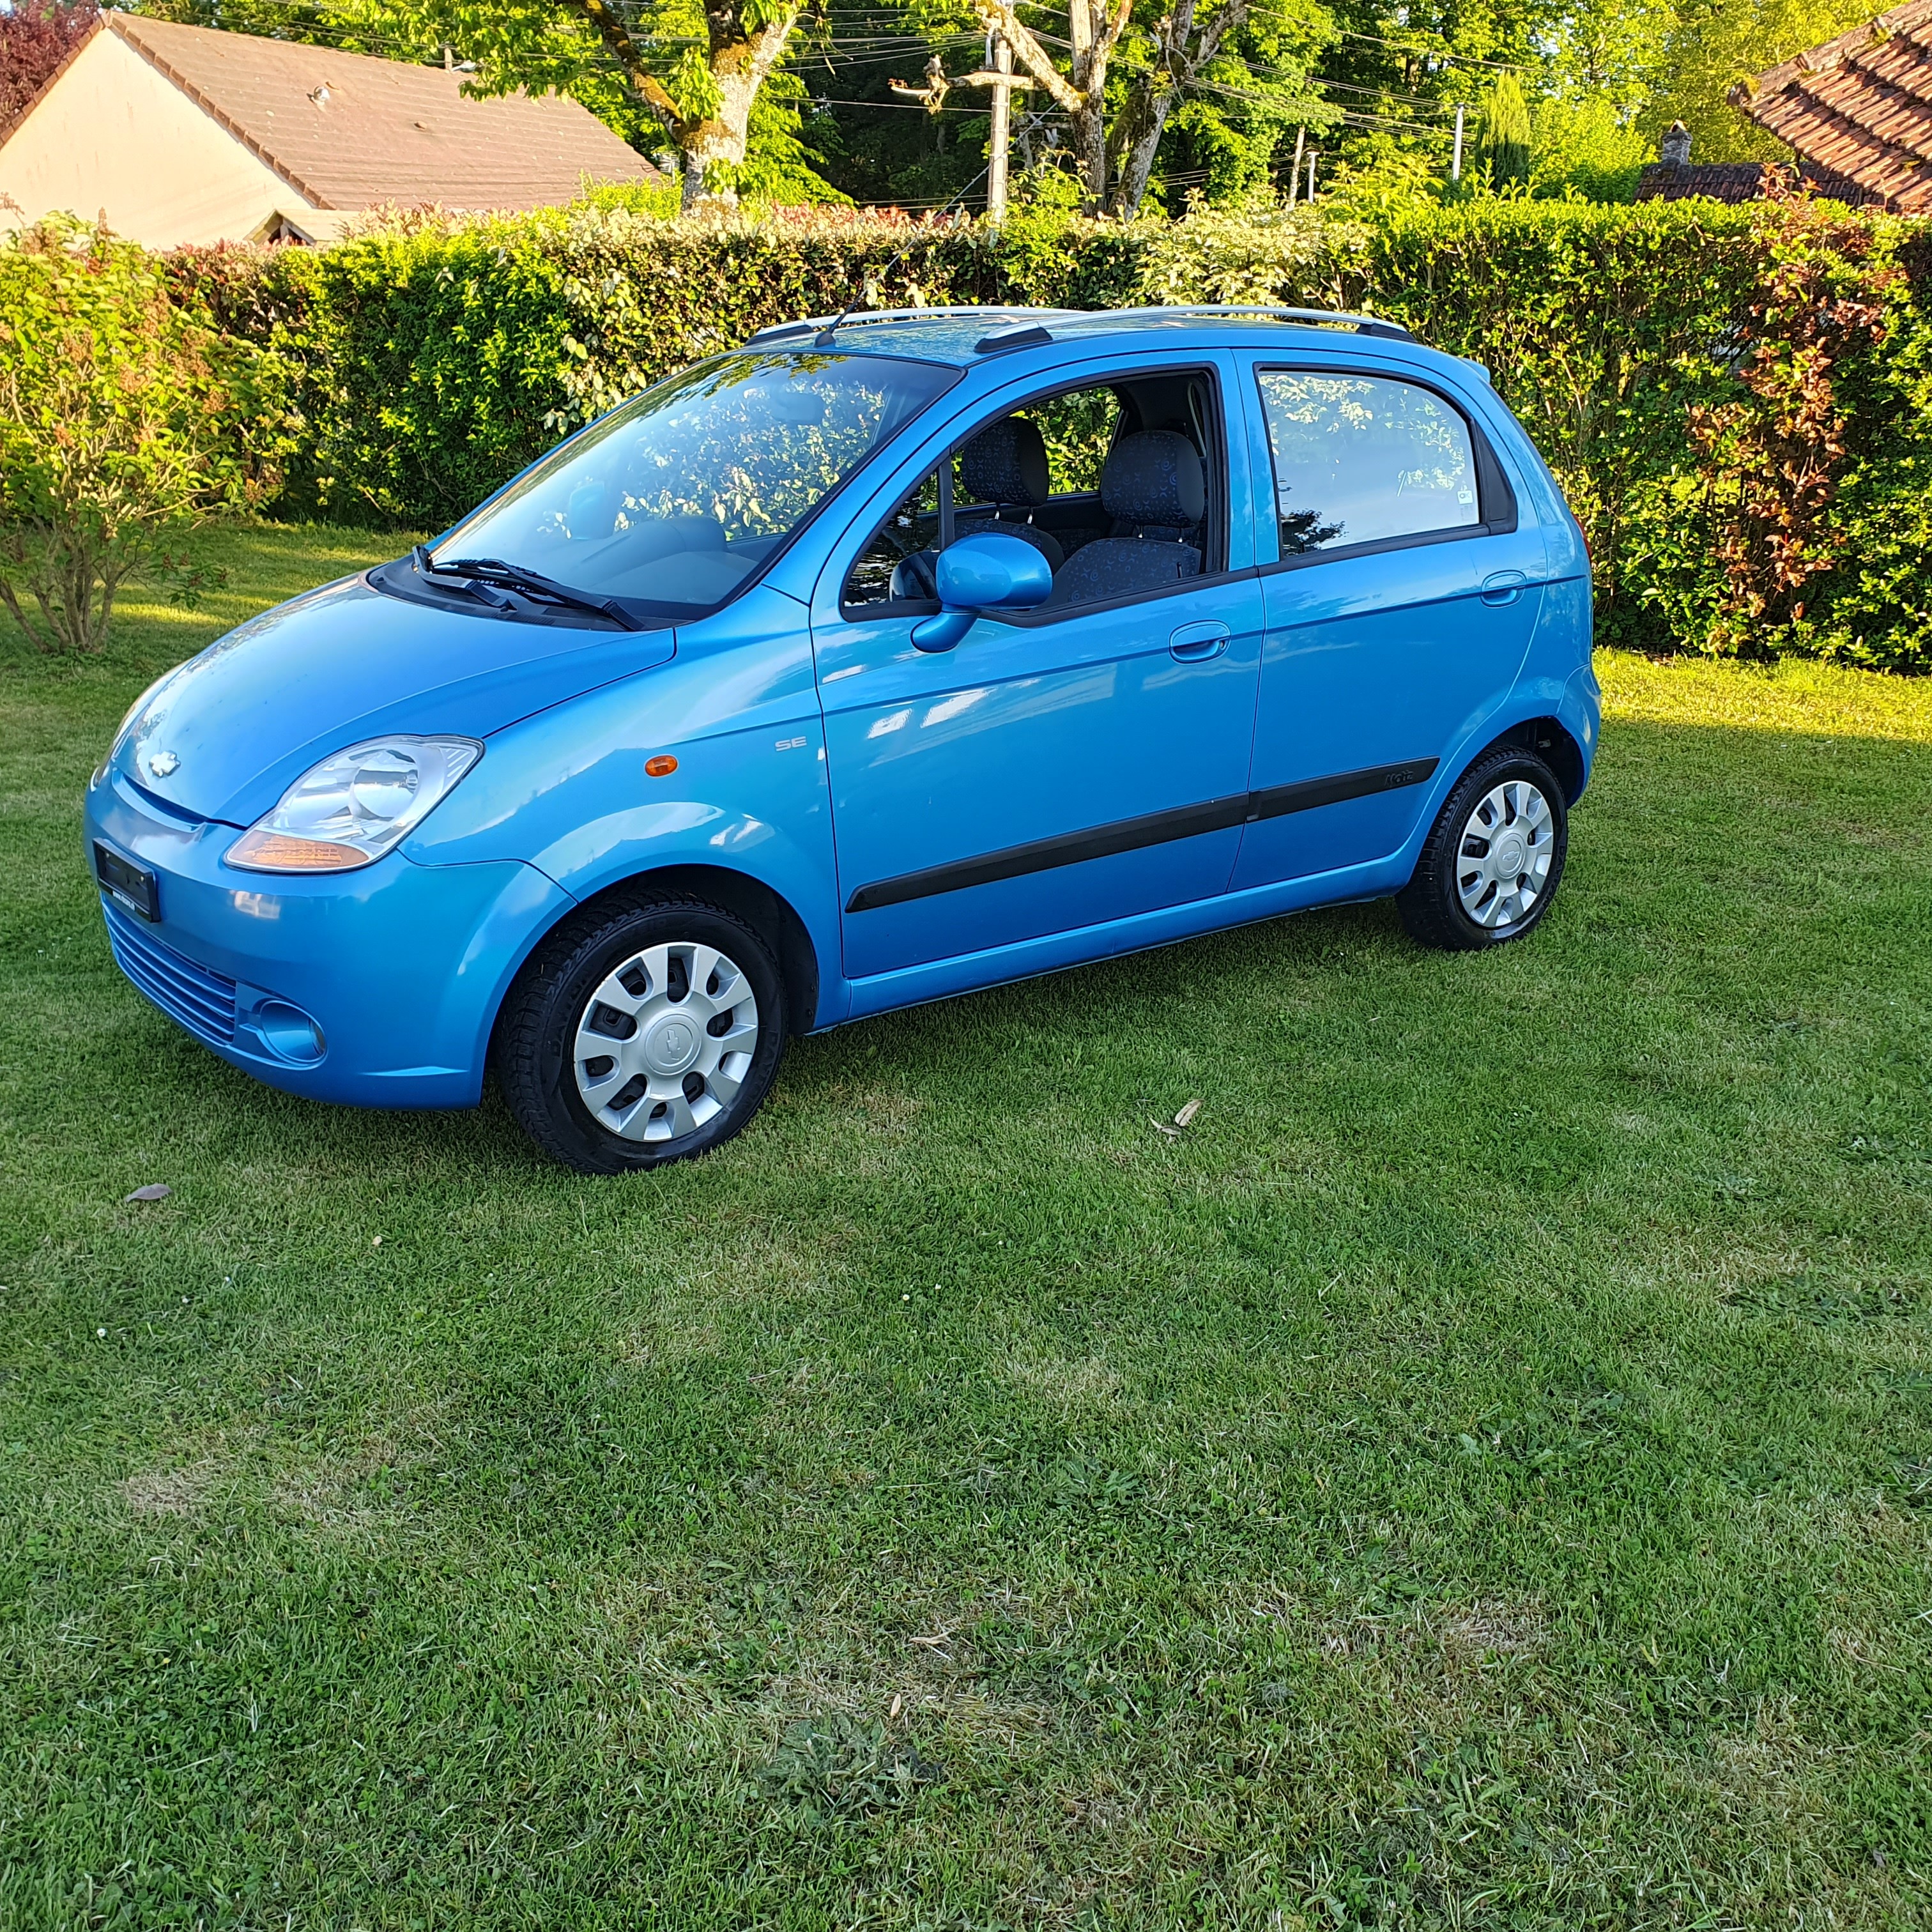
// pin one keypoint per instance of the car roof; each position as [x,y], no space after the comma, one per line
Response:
[971,336]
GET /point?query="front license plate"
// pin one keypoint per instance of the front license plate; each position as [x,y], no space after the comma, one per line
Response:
[134,886]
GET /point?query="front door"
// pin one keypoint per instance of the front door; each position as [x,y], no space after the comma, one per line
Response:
[1065,767]
[1399,611]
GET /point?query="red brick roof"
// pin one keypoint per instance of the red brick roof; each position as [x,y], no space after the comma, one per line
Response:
[349,131]
[1859,110]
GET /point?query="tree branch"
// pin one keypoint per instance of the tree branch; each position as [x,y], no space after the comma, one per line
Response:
[1000,15]
[624,49]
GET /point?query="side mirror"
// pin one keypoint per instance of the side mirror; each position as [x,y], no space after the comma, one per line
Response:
[984,571]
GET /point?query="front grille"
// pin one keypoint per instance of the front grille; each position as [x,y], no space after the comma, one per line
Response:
[203,1001]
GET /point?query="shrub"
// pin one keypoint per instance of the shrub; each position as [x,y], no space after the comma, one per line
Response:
[126,419]
[1653,351]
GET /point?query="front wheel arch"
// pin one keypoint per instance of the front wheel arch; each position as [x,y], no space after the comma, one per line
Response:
[769,913]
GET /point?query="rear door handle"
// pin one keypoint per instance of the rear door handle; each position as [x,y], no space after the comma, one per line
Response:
[1503,587]
[1193,643]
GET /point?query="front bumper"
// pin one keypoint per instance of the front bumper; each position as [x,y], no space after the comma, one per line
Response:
[401,966]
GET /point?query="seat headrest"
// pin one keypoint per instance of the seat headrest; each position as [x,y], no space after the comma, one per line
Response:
[1006,463]
[1154,476]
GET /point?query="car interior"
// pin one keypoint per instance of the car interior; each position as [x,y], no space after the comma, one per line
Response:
[1119,486]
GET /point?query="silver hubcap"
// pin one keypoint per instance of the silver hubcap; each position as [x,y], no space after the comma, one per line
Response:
[666,1042]
[1503,857]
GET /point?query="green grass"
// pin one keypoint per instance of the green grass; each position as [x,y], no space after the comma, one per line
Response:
[1479,1474]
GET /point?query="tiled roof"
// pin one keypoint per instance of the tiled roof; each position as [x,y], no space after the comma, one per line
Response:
[1720,180]
[349,131]
[1859,110]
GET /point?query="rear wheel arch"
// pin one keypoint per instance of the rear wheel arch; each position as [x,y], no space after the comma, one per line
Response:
[1550,739]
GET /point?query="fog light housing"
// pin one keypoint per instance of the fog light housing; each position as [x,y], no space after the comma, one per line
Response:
[289,1033]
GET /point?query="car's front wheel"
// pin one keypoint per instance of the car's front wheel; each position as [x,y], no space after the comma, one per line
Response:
[1492,860]
[641,1033]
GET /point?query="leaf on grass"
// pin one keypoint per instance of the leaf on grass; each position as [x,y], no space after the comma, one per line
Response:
[155,1190]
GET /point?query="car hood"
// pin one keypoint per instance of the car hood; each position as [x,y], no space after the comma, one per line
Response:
[255,709]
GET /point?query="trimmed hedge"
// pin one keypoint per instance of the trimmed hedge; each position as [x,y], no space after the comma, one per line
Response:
[1736,399]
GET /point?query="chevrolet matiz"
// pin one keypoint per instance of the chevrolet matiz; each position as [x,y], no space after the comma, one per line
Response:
[881,659]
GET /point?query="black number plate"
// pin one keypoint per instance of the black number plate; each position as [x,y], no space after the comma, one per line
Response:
[134,886]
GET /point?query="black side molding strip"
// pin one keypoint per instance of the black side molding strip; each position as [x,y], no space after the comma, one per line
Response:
[1278,801]
[1133,834]
[1067,848]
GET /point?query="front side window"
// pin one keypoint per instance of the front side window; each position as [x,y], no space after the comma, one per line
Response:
[1116,484]
[676,497]
[1360,459]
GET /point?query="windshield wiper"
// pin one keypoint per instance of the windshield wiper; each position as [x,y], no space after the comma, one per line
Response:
[514,577]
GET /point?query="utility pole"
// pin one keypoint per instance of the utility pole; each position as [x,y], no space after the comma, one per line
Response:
[1311,177]
[1002,132]
[1294,172]
[1001,79]
[1456,164]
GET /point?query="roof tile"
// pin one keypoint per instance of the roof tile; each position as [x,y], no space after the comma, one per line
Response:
[1858,110]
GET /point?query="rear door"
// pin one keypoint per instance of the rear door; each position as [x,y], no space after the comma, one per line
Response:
[1404,586]
[1059,769]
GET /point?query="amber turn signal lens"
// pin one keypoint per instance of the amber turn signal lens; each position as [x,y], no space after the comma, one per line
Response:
[259,851]
[660,766]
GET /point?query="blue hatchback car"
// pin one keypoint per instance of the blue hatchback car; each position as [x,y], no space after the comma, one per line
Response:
[870,663]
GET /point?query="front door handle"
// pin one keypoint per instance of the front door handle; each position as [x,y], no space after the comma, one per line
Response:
[1503,587]
[1195,643]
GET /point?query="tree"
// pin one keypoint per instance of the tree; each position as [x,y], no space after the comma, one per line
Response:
[1094,27]
[1201,60]
[34,39]
[1190,50]
[1502,133]
[1716,44]
[1233,123]
[706,108]
[126,421]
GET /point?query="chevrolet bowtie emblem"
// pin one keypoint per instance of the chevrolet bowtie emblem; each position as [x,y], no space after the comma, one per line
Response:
[164,764]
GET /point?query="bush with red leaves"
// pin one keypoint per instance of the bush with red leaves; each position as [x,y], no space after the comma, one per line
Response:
[1774,457]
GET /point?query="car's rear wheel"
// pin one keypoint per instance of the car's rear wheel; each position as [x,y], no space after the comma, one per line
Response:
[1493,859]
[641,1033]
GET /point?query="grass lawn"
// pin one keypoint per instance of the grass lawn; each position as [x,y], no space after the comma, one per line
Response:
[1479,1475]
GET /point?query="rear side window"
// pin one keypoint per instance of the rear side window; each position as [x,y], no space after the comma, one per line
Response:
[1362,459]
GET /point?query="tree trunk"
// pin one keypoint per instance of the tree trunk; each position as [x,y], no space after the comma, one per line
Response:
[740,64]
[739,61]
[1138,142]
[1080,93]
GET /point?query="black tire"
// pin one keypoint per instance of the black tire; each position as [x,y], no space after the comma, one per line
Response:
[538,1032]
[1432,904]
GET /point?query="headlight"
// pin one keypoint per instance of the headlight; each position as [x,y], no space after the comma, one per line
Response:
[353,808]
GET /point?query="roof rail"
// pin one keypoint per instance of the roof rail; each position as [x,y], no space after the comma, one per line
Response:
[1014,312]
[1326,318]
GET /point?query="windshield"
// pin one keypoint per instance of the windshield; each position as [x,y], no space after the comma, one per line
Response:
[678,495]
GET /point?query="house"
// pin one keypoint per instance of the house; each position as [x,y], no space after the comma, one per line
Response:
[1673,177]
[185,134]
[1858,111]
